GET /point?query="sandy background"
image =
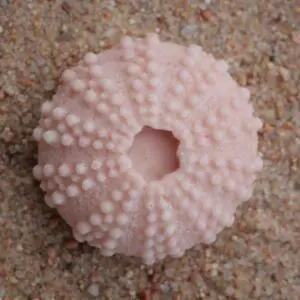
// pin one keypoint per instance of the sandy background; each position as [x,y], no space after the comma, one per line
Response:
[259,258]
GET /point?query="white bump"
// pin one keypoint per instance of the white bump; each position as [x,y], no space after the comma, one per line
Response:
[95,219]
[184,75]
[210,77]
[139,97]
[117,195]
[96,165]
[128,206]
[149,257]
[83,228]
[102,133]
[170,229]
[78,85]
[166,215]
[37,133]
[224,112]
[37,172]
[150,231]
[218,135]
[98,235]
[89,126]
[174,106]
[204,160]
[107,84]
[154,82]
[188,62]
[116,99]
[133,69]
[102,108]
[152,39]
[90,96]
[128,54]
[72,120]
[137,85]
[114,118]
[126,42]
[58,198]
[124,163]
[109,219]
[48,170]
[97,145]
[200,224]
[201,87]
[58,113]
[106,207]
[215,179]
[110,244]
[150,243]
[50,136]
[64,170]
[101,177]
[46,108]
[236,163]
[67,140]
[61,127]
[68,75]
[90,58]
[116,233]
[152,98]
[230,185]
[152,67]
[122,219]
[72,190]
[178,89]
[160,249]
[220,162]
[113,173]
[81,168]
[96,71]
[152,218]
[87,184]
[172,243]
[211,120]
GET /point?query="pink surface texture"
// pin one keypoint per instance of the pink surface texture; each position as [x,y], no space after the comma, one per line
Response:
[148,148]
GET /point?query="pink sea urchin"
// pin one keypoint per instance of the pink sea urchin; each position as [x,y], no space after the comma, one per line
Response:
[147,148]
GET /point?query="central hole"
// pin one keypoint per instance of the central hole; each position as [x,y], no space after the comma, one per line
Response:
[153,153]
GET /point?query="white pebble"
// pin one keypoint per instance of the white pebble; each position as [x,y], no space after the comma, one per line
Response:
[93,290]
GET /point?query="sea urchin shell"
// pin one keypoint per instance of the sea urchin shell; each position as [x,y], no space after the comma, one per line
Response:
[147,148]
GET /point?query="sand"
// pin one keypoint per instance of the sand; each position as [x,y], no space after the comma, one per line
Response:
[258,258]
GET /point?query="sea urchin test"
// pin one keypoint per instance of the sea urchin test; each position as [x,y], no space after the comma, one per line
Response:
[147,148]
